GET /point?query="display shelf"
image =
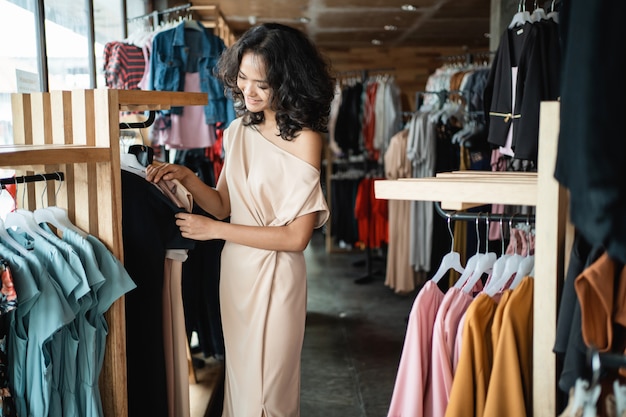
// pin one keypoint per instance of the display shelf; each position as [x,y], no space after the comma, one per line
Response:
[77,132]
[461,190]
[36,155]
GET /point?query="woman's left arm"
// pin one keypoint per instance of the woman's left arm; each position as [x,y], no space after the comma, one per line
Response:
[293,237]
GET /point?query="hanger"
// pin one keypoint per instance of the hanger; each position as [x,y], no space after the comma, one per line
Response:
[553,14]
[483,265]
[538,13]
[521,17]
[470,265]
[511,264]
[451,260]
[526,265]
[57,216]
[144,154]
[22,219]
[7,239]
[587,392]
[131,161]
[40,230]
[193,24]
[492,286]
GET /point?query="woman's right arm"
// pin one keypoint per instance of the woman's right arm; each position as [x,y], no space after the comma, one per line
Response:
[212,200]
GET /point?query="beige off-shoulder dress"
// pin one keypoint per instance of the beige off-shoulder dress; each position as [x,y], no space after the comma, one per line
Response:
[263,292]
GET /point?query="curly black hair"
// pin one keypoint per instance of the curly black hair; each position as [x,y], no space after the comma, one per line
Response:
[297,73]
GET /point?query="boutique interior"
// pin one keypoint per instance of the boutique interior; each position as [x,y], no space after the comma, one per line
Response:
[473,260]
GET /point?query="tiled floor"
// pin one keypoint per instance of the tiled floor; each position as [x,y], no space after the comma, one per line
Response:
[353,338]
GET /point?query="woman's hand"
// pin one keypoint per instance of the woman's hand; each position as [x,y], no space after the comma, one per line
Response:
[156,172]
[197,227]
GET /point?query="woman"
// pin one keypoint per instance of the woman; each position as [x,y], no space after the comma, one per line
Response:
[270,189]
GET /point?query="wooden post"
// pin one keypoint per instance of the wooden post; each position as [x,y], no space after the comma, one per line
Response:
[549,263]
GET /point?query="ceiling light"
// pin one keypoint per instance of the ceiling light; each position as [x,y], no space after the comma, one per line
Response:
[304,20]
[391,27]
[377,42]
[408,8]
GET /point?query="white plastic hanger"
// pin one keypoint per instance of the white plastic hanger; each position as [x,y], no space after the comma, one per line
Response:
[507,267]
[586,393]
[521,17]
[23,219]
[7,239]
[57,216]
[524,269]
[470,265]
[451,260]
[130,163]
[483,265]
[538,13]
[493,283]
[554,15]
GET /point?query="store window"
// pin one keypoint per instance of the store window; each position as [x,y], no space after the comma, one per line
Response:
[67,28]
[17,58]
[67,44]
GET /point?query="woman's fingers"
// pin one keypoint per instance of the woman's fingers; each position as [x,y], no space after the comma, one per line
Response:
[155,173]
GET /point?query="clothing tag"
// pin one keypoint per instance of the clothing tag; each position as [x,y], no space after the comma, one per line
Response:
[519,32]
[476,156]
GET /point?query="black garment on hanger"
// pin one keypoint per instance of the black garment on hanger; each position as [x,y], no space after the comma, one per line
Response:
[569,346]
[591,149]
[343,223]
[196,160]
[526,48]
[201,270]
[201,288]
[148,229]
[348,125]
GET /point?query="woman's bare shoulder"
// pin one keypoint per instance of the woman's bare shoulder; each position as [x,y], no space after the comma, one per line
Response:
[308,147]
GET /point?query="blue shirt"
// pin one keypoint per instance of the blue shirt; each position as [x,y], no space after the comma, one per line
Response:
[179,50]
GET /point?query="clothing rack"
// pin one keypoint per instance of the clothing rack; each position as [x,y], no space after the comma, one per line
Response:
[363,73]
[442,95]
[59,176]
[140,125]
[463,190]
[468,57]
[155,14]
[491,217]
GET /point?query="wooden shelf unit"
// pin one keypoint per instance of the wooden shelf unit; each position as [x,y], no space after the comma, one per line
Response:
[462,190]
[77,132]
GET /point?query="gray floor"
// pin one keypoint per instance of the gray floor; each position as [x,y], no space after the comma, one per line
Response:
[353,338]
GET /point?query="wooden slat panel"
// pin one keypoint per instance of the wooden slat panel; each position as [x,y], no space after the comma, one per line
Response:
[22,127]
[85,210]
[549,263]
[113,378]
[62,134]
[42,135]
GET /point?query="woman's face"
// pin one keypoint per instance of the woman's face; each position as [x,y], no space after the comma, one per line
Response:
[252,82]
